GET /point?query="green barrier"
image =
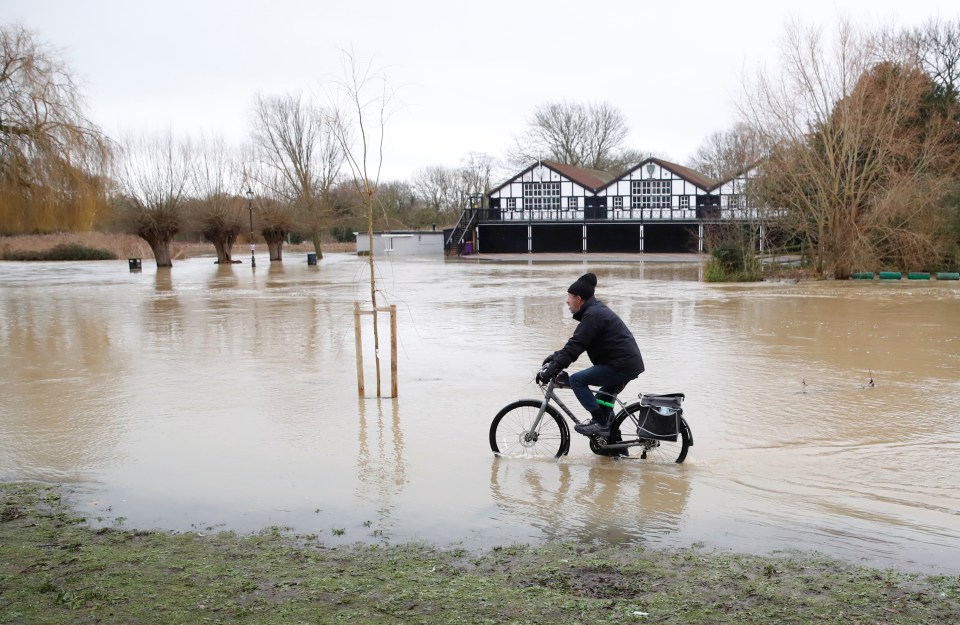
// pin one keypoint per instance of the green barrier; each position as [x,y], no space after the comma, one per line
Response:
[918,275]
[890,275]
[863,275]
[948,275]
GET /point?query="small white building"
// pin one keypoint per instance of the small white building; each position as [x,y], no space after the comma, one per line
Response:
[402,243]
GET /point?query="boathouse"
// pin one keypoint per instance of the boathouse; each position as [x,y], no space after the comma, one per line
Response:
[657,206]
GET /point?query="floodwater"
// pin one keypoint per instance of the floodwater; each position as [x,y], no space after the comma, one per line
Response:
[204,398]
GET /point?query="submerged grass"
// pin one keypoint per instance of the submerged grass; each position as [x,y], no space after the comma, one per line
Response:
[55,569]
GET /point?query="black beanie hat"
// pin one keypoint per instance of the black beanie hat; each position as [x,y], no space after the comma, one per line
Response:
[584,286]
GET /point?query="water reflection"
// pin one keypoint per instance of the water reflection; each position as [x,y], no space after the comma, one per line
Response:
[381,465]
[615,502]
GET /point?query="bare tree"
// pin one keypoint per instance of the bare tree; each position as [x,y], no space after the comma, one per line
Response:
[363,105]
[396,204]
[53,159]
[296,143]
[154,178]
[938,52]
[436,189]
[727,153]
[853,138]
[476,173]
[218,212]
[589,136]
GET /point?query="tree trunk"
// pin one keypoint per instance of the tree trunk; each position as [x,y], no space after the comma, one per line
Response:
[274,238]
[223,253]
[316,245]
[161,251]
[223,243]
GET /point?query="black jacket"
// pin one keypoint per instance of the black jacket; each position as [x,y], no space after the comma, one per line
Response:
[605,338]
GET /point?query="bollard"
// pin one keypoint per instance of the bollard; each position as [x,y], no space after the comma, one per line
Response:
[134,264]
[311,258]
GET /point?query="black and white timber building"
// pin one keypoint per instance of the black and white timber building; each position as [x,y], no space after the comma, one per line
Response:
[657,206]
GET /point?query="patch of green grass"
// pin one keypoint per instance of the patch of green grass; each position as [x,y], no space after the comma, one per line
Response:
[56,570]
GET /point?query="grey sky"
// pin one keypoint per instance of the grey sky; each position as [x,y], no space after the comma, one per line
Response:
[468,74]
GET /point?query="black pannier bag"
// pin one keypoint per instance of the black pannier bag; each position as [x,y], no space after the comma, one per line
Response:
[660,417]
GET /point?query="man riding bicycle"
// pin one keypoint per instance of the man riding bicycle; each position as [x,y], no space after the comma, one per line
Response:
[609,345]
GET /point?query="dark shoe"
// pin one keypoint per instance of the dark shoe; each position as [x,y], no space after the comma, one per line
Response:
[592,428]
[580,427]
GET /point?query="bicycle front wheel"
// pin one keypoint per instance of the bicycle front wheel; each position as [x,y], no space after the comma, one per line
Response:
[511,432]
[657,451]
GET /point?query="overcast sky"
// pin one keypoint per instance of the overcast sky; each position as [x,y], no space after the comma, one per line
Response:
[468,75]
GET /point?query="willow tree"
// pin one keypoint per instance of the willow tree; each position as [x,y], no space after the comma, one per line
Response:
[295,143]
[153,177]
[52,157]
[218,211]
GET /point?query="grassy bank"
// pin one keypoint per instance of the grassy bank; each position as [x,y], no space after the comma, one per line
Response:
[55,569]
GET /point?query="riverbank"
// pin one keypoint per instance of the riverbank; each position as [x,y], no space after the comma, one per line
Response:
[125,246]
[56,569]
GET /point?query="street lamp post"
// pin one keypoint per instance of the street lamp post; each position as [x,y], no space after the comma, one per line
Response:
[253,246]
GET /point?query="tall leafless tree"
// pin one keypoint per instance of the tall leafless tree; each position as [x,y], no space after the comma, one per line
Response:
[583,135]
[218,212]
[154,176]
[938,50]
[296,143]
[53,159]
[727,153]
[363,104]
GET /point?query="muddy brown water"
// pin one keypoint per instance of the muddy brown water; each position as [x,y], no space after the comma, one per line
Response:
[206,397]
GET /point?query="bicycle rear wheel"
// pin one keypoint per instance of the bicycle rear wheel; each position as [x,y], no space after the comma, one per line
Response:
[510,431]
[654,450]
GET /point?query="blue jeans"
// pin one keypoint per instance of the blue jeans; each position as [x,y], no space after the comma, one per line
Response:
[609,380]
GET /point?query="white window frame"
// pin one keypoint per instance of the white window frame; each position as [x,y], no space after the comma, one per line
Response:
[650,193]
[541,195]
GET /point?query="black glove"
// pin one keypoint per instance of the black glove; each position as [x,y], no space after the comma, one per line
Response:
[547,359]
[547,372]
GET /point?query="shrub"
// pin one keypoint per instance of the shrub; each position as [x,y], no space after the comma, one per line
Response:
[64,251]
[728,265]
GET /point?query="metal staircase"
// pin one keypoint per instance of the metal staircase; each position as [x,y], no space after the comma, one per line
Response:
[453,246]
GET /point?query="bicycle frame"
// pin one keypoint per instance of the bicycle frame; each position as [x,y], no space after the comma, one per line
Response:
[549,395]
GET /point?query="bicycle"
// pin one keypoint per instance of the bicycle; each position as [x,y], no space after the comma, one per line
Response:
[535,428]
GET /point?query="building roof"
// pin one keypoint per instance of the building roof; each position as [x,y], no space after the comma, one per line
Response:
[684,172]
[591,179]
[595,180]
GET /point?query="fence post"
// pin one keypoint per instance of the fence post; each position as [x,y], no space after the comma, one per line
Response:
[356,326]
[393,350]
